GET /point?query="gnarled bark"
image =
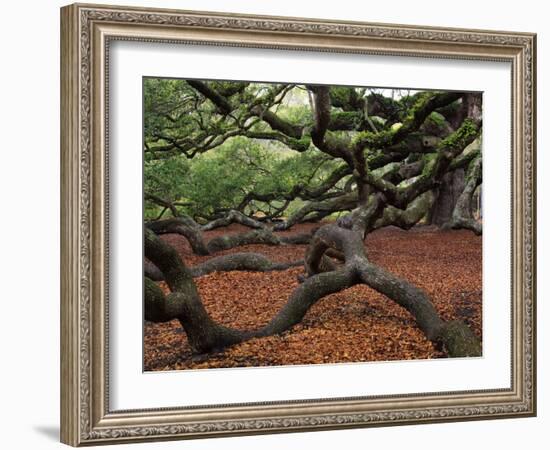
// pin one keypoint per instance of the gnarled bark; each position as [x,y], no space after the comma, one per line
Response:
[394,171]
[462,214]
[188,228]
[252,237]
[151,271]
[184,302]
[252,262]
[455,337]
[233,217]
[448,192]
[344,202]
[205,335]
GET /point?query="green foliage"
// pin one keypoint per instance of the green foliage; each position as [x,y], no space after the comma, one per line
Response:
[346,97]
[296,109]
[164,179]
[208,148]
[167,105]
[219,180]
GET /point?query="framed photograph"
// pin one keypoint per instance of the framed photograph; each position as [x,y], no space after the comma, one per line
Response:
[276,224]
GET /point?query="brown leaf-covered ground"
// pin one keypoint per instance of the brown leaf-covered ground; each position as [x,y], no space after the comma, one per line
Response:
[357,324]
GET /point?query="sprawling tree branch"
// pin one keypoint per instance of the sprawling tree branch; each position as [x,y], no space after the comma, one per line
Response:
[456,338]
[233,216]
[251,262]
[205,335]
[335,112]
[187,227]
[184,226]
[215,97]
[392,155]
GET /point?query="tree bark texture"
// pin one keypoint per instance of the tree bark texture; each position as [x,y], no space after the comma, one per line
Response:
[184,303]
[394,175]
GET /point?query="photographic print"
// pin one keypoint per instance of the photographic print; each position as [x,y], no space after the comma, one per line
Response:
[298,203]
[295,224]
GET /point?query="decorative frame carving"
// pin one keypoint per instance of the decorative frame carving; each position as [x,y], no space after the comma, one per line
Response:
[86,31]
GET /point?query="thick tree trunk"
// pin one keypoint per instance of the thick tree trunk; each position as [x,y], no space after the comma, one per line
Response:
[462,214]
[447,195]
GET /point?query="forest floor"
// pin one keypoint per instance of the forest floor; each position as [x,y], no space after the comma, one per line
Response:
[357,324]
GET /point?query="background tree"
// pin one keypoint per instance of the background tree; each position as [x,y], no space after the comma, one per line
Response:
[270,156]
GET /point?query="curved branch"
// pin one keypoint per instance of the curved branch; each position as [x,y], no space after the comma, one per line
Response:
[435,168]
[278,124]
[219,100]
[343,202]
[188,228]
[233,216]
[184,303]
[151,271]
[205,335]
[250,262]
[185,226]
[426,104]
[455,337]
[321,121]
[253,262]
[161,202]
[252,237]
[305,296]
[300,190]
[408,217]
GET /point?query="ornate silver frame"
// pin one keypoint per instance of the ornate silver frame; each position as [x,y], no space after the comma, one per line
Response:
[86,31]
